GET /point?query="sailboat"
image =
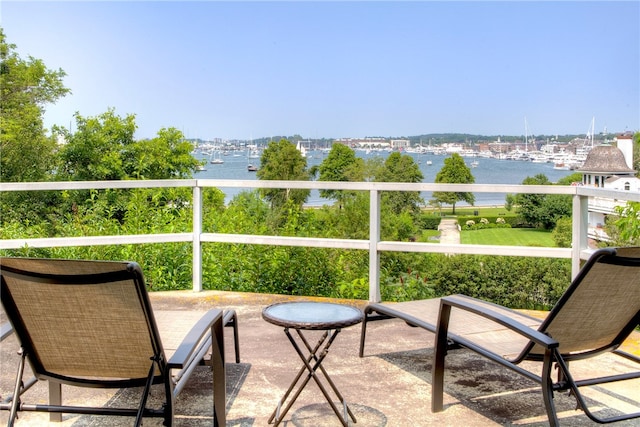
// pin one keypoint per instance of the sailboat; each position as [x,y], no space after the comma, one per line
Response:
[301,149]
[217,160]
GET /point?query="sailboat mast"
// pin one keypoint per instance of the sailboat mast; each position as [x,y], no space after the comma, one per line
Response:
[526,136]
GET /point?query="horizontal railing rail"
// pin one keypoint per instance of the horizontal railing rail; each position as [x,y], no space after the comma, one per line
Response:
[374,245]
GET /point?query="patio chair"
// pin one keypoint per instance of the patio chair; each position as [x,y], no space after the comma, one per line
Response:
[91,324]
[595,315]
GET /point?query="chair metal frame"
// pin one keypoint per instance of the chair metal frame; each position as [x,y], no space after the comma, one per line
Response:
[205,336]
[540,344]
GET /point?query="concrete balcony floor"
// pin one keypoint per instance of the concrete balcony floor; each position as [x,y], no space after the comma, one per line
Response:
[390,386]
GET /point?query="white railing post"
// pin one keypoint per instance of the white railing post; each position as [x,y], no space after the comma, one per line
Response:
[374,238]
[197,244]
[579,231]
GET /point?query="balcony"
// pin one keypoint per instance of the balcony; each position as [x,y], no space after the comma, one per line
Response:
[390,386]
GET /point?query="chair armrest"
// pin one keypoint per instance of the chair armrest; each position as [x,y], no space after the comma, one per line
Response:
[192,341]
[468,304]
[5,330]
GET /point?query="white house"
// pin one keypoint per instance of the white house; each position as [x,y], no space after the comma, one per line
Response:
[611,168]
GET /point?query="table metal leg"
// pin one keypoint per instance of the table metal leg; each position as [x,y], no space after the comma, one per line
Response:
[347,410]
[322,347]
[312,352]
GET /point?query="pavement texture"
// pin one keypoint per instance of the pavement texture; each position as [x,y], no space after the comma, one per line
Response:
[449,231]
[389,386]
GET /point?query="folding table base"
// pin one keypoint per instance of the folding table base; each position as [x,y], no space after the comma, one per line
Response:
[316,355]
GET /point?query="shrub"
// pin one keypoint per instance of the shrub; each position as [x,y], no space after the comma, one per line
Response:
[515,282]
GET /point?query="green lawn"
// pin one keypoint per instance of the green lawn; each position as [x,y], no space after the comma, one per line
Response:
[508,237]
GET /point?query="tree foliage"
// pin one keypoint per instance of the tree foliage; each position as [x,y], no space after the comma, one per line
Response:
[104,148]
[401,168]
[282,161]
[454,171]
[26,87]
[341,164]
[96,150]
[627,224]
[542,210]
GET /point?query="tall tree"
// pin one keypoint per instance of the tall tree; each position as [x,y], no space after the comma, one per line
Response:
[282,161]
[26,87]
[342,165]
[95,151]
[454,171]
[401,168]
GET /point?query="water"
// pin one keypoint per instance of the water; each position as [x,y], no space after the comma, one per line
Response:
[488,171]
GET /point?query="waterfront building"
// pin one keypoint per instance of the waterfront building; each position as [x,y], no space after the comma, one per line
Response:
[608,167]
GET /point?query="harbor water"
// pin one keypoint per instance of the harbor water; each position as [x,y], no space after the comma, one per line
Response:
[487,171]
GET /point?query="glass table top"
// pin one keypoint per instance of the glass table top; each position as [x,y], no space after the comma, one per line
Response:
[312,315]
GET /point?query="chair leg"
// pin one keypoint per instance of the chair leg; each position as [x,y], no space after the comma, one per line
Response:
[363,332]
[17,389]
[55,398]
[440,351]
[231,320]
[547,388]
[219,378]
[145,394]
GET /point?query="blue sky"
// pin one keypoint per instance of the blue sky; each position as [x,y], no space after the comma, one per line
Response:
[340,69]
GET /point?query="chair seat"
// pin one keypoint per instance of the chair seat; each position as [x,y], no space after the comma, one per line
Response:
[478,329]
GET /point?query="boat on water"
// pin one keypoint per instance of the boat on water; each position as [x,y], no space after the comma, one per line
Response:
[474,164]
[252,168]
[429,162]
[217,160]
[301,148]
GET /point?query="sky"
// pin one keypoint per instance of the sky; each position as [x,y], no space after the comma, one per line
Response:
[335,69]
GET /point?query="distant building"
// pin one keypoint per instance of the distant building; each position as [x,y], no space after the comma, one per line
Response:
[400,144]
[608,167]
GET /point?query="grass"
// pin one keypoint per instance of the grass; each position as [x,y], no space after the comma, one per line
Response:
[508,237]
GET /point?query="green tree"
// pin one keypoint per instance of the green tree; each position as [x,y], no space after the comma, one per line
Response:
[167,156]
[342,165]
[95,151]
[281,161]
[562,233]
[26,87]
[454,171]
[542,210]
[626,225]
[401,168]
[570,179]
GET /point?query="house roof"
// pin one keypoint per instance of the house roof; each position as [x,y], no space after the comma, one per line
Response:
[615,178]
[606,159]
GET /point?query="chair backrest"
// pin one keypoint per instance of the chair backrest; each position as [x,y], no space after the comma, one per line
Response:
[81,321]
[602,305]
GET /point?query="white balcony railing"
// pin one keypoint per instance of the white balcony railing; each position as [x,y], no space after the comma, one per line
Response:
[374,245]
